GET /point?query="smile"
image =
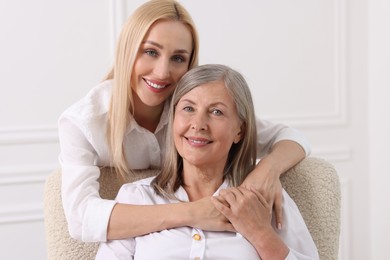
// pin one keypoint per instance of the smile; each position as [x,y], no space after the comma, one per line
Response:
[154,85]
[198,141]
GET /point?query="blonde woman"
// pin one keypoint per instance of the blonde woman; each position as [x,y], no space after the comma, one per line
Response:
[211,148]
[122,123]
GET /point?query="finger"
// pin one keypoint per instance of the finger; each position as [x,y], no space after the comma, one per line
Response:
[262,199]
[248,193]
[278,211]
[222,200]
[228,195]
[221,207]
[229,227]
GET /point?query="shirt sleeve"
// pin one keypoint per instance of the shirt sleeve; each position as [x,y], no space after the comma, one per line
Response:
[124,248]
[295,233]
[86,212]
[270,133]
[116,250]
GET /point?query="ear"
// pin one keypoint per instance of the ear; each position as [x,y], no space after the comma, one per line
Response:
[240,134]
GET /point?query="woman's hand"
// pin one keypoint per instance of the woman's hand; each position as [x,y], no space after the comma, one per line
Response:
[204,215]
[250,214]
[265,177]
[267,182]
[247,210]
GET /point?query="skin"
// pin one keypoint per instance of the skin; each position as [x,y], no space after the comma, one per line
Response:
[206,125]
[265,177]
[163,58]
[159,62]
[251,215]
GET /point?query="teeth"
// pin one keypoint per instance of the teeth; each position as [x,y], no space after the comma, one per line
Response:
[154,85]
[198,141]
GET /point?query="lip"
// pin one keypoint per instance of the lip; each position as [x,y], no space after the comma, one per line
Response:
[156,86]
[198,141]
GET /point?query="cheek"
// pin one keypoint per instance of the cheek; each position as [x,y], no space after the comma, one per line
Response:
[178,126]
[135,74]
[179,73]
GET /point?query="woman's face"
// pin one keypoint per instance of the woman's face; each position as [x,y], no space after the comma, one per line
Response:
[205,126]
[163,58]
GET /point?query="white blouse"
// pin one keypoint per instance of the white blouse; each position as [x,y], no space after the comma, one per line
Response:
[192,243]
[82,135]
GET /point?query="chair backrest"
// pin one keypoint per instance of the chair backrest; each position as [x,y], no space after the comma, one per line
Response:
[313,184]
[315,187]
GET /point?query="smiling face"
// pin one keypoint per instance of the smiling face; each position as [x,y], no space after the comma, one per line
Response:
[162,59]
[205,126]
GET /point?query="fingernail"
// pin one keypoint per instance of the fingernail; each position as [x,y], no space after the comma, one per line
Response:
[279,226]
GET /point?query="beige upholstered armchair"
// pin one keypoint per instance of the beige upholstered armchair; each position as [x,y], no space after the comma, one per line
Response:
[313,184]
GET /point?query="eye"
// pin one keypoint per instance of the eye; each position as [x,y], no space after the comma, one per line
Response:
[151,52]
[216,112]
[178,59]
[188,109]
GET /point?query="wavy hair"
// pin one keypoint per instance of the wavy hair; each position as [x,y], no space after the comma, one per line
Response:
[121,104]
[242,156]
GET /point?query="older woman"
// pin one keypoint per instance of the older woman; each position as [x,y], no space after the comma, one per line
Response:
[211,148]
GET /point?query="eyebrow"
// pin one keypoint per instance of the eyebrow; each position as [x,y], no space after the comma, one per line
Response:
[162,47]
[210,105]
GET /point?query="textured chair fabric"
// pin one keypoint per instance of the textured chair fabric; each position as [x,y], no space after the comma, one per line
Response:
[313,184]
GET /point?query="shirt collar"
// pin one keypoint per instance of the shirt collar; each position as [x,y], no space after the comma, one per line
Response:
[133,125]
[181,194]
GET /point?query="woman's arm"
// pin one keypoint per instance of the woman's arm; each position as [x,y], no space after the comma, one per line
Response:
[251,215]
[280,148]
[135,220]
[265,177]
[92,219]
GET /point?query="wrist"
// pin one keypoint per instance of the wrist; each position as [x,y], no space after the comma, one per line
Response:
[271,167]
[184,215]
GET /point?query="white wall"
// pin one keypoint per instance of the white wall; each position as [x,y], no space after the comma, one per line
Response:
[306,61]
[52,52]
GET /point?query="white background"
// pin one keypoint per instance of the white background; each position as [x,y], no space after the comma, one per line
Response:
[321,66]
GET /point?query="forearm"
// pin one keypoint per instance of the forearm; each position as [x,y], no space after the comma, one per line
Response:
[136,220]
[283,156]
[269,245]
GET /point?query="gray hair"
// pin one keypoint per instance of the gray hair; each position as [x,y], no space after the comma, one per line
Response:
[242,156]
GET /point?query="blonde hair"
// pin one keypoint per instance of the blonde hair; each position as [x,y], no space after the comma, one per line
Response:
[121,105]
[242,156]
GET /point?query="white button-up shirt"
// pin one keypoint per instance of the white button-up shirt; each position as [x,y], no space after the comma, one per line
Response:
[192,243]
[82,135]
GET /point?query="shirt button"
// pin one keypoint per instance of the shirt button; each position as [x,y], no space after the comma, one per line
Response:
[197,237]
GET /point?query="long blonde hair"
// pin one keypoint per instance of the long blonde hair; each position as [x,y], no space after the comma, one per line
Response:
[121,105]
[242,156]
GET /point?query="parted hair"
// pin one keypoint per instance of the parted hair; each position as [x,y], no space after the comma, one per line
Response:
[121,108]
[242,156]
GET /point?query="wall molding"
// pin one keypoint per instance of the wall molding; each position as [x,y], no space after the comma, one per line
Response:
[28,135]
[333,153]
[338,116]
[21,214]
[118,16]
[26,174]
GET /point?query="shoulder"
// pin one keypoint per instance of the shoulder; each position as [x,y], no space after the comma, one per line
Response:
[95,103]
[136,192]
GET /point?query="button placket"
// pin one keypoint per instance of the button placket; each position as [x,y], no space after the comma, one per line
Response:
[198,244]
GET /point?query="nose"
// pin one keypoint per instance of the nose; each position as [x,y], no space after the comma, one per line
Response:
[200,122]
[162,68]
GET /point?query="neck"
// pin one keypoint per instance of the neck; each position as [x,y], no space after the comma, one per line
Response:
[146,116]
[200,183]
